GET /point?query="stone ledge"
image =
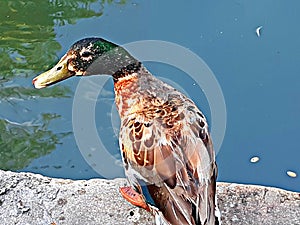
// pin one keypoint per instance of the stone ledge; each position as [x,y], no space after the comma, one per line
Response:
[31,199]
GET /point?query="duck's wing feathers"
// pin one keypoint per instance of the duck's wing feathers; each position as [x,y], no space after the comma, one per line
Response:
[168,149]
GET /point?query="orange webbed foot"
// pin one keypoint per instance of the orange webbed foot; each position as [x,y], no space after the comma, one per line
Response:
[134,197]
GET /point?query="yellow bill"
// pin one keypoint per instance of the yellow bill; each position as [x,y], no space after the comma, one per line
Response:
[58,73]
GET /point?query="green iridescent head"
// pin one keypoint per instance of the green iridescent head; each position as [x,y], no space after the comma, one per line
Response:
[89,56]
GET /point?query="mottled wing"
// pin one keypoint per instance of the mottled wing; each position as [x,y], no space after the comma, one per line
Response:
[168,148]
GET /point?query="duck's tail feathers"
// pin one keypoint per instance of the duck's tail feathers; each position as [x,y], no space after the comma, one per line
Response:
[178,210]
[205,209]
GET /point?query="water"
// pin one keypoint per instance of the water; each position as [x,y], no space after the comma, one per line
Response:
[258,75]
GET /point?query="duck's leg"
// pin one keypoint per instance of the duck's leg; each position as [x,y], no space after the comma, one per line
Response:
[134,197]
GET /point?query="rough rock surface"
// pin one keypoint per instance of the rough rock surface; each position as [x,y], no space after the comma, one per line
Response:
[30,199]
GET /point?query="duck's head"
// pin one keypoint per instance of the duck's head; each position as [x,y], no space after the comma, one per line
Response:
[89,56]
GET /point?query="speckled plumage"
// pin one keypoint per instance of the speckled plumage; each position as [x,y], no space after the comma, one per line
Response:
[164,140]
[166,146]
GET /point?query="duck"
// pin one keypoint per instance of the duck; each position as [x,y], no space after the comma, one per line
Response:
[164,139]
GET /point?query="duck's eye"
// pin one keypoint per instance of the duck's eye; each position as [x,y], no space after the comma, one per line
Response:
[59,68]
[86,54]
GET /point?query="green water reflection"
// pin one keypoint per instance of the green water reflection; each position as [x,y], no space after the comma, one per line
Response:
[26,141]
[27,47]
[27,32]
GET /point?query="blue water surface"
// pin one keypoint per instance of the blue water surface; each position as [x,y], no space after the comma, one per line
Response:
[257,72]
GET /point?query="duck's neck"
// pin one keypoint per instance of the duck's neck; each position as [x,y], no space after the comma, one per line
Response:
[129,88]
[125,71]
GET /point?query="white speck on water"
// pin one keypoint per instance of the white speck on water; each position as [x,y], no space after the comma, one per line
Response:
[258,29]
[291,174]
[254,159]
[93,149]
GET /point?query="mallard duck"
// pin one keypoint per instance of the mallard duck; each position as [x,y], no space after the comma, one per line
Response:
[164,140]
